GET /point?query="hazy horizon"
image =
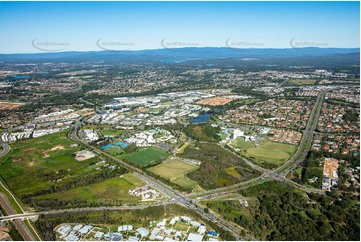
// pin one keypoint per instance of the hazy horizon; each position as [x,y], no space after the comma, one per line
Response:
[38,27]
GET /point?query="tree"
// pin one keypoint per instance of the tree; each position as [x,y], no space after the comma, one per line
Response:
[206,210]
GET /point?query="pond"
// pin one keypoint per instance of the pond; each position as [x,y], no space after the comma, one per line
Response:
[201,118]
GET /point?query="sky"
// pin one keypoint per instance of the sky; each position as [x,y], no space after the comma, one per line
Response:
[35,27]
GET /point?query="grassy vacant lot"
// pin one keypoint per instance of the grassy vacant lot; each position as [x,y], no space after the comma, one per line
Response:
[35,164]
[302,82]
[268,153]
[181,148]
[216,161]
[145,156]
[175,170]
[115,151]
[114,190]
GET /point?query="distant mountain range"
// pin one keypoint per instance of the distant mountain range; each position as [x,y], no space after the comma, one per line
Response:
[182,54]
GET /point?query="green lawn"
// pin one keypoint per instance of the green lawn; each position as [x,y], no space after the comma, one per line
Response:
[175,170]
[112,190]
[145,156]
[233,172]
[185,183]
[267,153]
[34,164]
[172,168]
[115,151]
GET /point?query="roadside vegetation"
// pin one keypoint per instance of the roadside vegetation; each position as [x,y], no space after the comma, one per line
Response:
[113,191]
[281,212]
[138,218]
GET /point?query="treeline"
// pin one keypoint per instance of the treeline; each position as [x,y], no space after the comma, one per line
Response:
[215,160]
[284,214]
[249,91]
[203,132]
[84,181]
[351,115]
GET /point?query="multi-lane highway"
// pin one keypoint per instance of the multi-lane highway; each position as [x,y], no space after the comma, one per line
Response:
[19,224]
[280,172]
[174,195]
[190,201]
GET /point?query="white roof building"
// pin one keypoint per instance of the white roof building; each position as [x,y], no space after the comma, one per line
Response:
[194,237]
[125,228]
[98,235]
[195,223]
[202,229]
[174,220]
[77,227]
[86,229]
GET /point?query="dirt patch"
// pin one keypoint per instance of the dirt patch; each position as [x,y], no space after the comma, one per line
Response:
[46,156]
[215,101]
[17,160]
[58,147]
[8,106]
[30,149]
[30,164]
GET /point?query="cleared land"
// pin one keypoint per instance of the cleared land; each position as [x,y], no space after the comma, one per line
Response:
[174,170]
[7,106]
[215,101]
[111,191]
[268,153]
[145,156]
[42,162]
[302,82]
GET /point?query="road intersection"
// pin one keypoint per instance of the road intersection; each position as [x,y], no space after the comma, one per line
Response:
[190,200]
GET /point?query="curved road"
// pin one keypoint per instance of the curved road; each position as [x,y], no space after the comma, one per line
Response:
[177,197]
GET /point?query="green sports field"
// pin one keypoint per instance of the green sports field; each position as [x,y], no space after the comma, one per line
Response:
[267,153]
[145,156]
[36,164]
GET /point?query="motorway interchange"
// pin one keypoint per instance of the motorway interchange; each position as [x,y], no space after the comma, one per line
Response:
[190,201]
